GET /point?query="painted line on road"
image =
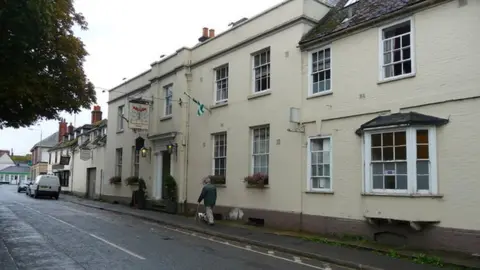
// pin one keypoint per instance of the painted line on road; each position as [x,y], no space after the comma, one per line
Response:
[92,235]
[246,248]
[116,246]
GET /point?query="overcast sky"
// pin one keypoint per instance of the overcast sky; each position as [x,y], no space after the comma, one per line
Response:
[126,36]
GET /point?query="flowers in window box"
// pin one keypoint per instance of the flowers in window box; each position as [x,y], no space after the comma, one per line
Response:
[132,180]
[257,180]
[217,179]
[115,180]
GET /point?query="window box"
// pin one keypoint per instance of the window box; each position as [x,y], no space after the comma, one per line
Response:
[258,180]
[218,179]
[115,180]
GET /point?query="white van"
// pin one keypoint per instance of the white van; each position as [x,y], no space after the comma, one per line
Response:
[47,185]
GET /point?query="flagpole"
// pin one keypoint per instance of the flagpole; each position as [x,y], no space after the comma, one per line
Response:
[197,102]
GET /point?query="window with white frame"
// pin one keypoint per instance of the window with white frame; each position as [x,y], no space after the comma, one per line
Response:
[320,76]
[319,163]
[261,71]
[135,162]
[260,149]
[120,115]
[401,161]
[118,162]
[167,93]
[220,154]
[396,50]
[221,84]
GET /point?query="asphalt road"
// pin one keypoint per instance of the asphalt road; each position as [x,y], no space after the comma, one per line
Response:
[50,234]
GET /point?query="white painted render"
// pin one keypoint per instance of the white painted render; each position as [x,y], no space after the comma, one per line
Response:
[445,84]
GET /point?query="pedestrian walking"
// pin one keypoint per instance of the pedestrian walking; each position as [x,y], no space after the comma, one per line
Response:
[209,198]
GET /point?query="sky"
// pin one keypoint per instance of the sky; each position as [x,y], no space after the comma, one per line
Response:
[125,37]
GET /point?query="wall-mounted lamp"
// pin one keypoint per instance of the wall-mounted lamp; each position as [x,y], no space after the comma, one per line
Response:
[144,152]
[172,148]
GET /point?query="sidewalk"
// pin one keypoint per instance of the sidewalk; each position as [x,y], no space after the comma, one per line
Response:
[340,255]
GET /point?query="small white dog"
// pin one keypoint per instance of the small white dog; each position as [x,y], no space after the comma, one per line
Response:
[202,216]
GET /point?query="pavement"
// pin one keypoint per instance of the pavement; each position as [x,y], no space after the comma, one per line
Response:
[50,234]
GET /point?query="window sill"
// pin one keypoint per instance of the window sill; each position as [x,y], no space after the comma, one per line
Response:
[220,185]
[397,78]
[120,131]
[326,192]
[324,93]
[257,187]
[414,195]
[165,118]
[259,94]
[219,105]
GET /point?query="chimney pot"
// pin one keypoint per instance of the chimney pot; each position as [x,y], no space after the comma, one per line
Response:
[96,114]
[211,33]
[62,129]
[205,32]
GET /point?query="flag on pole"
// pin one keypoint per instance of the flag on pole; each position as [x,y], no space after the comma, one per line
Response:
[201,107]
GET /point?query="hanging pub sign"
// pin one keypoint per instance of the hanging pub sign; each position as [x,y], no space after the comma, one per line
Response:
[64,160]
[139,114]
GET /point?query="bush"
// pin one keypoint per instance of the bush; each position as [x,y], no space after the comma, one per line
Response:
[170,186]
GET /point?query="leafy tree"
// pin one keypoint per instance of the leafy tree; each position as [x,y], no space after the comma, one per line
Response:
[41,62]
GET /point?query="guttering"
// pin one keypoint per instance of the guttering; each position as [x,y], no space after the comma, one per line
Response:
[335,35]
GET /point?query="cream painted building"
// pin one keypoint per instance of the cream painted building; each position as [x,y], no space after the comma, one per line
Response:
[353,141]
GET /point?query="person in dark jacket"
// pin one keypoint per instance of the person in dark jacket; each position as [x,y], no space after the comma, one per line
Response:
[209,197]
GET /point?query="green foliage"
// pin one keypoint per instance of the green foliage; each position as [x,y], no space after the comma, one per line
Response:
[115,180]
[170,186]
[41,68]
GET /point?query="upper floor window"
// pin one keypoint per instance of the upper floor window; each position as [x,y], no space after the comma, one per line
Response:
[221,84]
[320,71]
[167,93]
[121,112]
[396,49]
[261,69]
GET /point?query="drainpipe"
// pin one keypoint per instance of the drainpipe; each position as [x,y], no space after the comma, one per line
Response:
[71,169]
[187,139]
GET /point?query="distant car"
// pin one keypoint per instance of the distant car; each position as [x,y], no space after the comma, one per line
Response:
[23,185]
[45,185]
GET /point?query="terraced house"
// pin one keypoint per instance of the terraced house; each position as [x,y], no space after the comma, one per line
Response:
[351,117]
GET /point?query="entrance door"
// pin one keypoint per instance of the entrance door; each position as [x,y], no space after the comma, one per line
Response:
[91,179]
[166,162]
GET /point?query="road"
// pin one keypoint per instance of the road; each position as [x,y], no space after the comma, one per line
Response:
[50,234]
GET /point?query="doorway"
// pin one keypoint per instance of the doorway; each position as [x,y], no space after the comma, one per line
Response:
[162,169]
[91,179]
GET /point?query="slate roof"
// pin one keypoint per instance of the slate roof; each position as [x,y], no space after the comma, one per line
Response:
[363,11]
[409,119]
[16,169]
[71,143]
[50,141]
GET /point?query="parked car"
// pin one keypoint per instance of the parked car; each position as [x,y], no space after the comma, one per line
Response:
[45,185]
[23,185]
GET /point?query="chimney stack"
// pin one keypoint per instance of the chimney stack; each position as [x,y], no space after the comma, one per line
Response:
[70,129]
[62,129]
[204,35]
[211,33]
[96,114]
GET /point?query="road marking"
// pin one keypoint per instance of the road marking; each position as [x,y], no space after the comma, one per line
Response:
[271,252]
[116,246]
[297,259]
[247,248]
[92,235]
